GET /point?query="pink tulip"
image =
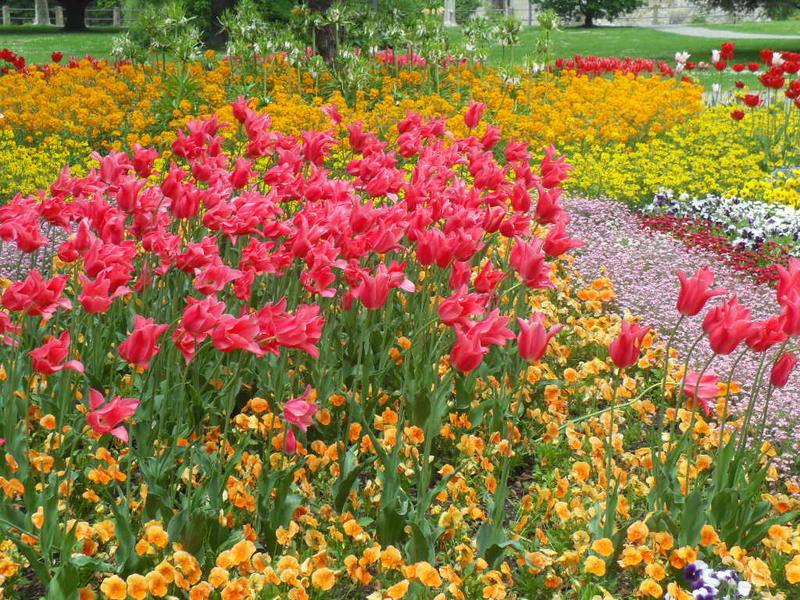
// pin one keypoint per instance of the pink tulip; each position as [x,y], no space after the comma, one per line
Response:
[299,412]
[703,389]
[624,350]
[554,171]
[467,353]
[49,358]
[95,296]
[473,115]
[140,346]
[782,369]
[765,334]
[558,242]
[533,338]
[460,306]
[727,326]
[788,279]
[528,259]
[232,333]
[108,418]
[695,291]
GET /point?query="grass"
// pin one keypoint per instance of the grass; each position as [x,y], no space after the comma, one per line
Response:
[37,43]
[636,42]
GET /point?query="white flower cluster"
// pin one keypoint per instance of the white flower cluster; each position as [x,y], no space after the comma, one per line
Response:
[708,584]
[748,223]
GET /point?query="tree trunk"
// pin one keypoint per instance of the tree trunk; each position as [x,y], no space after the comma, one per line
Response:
[42,16]
[74,17]
[216,36]
[325,36]
[588,20]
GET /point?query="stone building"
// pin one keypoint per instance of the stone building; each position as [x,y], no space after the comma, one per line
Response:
[655,12]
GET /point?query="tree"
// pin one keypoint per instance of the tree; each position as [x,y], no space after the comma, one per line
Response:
[216,36]
[590,10]
[74,17]
[774,8]
[324,35]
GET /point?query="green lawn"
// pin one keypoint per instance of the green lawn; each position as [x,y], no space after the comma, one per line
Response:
[638,42]
[37,43]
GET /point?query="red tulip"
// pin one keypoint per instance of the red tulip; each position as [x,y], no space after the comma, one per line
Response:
[488,278]
[737,115]
[624,350]
[548,210]
[533,337]
[57,56]
[779,376]
[752,100]
[140,346]
[727,50]
[695,291]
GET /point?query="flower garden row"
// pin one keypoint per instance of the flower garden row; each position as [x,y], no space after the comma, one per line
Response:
[629,133]
[335,345]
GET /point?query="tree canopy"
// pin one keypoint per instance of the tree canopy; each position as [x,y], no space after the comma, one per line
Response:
[590,10]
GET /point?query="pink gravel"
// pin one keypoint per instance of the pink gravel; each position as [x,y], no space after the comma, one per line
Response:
[642,265]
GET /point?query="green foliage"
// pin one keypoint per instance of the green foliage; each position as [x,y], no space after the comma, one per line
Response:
[163,31]
[590,10]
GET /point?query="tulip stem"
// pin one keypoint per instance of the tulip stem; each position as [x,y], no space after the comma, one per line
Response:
[724,418]
[690,430]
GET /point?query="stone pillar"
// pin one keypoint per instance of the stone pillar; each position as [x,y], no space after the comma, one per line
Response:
[59,15]
[116,16]
[6,15]
[450,13]
[41,13]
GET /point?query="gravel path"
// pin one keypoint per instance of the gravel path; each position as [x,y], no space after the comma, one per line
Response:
[642,265]
[705,32]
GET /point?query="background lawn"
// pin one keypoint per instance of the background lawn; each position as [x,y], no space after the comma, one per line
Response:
[37,43]
[638,42]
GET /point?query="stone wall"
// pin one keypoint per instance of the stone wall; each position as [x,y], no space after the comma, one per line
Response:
[655,12]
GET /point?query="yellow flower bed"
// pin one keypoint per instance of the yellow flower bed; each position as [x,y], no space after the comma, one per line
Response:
[120,107]
[704,155]
[781,188]
[25,169]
